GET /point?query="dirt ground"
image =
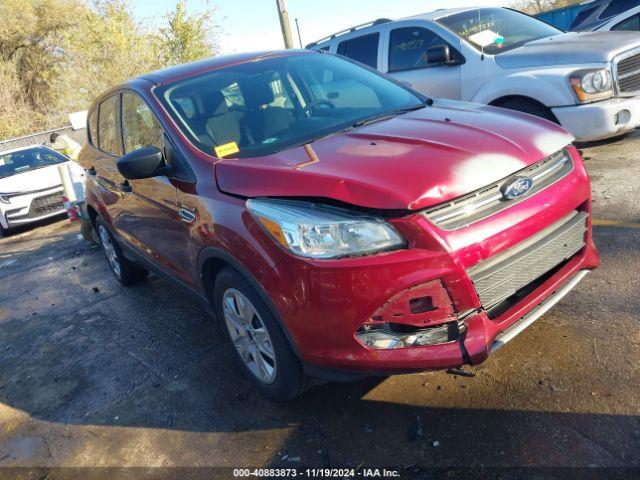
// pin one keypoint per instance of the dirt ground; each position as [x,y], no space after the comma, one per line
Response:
[93,374]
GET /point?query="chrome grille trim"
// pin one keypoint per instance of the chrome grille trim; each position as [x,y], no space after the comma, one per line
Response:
[489,200]
[501,276]
[626,73]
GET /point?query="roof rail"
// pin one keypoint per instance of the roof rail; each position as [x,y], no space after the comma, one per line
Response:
[348,30]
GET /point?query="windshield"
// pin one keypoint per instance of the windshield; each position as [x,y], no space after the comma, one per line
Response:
[261,107]
[496,30]
[28,159]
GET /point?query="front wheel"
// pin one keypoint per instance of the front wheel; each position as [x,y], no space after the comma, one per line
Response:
[125,271]
[260,346]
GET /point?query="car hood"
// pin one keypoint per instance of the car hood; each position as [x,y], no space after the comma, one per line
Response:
[573,48]
[33,180]
[412,161]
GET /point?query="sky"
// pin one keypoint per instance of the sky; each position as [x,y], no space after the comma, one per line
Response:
[252,25]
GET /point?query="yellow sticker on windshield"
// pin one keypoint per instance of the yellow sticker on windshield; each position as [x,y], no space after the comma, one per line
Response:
[227,149]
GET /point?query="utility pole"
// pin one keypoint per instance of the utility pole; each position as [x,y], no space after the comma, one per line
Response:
[299,36]
[284,23]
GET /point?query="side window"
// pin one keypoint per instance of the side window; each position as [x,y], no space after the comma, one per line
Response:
[107,126]
[140,127]
[618,6]
[93,127]
[630,24]
[362,49]
[408,47]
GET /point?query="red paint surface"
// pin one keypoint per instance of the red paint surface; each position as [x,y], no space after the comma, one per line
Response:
[417,160]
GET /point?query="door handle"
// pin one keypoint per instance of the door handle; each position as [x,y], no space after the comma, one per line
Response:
[91,171]
[186,215]
[125,187]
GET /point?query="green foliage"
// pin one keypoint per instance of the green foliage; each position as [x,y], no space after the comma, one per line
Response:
[56,56]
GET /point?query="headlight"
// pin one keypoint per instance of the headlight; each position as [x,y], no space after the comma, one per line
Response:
[320,231]
[592,85]
[4,199]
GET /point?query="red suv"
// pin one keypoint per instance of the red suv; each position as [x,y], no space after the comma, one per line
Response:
[340,224]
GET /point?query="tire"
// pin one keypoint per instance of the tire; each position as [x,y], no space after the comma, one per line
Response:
[529,106]
[245,333]
[126,272]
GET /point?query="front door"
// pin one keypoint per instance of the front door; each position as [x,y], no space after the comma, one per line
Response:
[151,219]
[408,62]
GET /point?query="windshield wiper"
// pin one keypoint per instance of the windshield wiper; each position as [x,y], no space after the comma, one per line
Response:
[387,115]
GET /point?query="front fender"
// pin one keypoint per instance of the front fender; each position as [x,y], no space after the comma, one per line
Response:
[550,88]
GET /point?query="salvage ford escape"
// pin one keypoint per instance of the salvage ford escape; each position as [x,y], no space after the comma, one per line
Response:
[339,223]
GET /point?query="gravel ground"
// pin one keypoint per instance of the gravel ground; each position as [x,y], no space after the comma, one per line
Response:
[93,374]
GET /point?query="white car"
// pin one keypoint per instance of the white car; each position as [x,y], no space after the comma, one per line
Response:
[587,82]
[30,185]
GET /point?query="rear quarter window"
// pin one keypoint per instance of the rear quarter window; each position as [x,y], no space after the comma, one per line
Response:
[92,131]
[363,49]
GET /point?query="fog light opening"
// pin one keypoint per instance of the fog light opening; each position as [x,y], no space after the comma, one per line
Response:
[622,117]
[391,335]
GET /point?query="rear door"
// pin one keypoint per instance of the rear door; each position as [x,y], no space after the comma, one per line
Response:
[152,220]
[407,61]
[101,164]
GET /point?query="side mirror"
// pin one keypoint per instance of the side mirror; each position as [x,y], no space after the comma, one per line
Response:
[439,54]
[146,162]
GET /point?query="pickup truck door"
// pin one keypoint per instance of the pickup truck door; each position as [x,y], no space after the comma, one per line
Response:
[407,61]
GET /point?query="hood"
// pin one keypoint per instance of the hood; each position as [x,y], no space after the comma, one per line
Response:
[39,179]
[573,48]
[412,161]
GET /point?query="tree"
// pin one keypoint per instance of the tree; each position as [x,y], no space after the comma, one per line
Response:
[56,56]
[187,38]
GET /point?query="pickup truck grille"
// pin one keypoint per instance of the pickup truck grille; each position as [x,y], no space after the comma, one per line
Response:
[627,71]
[489,200]
[501,276]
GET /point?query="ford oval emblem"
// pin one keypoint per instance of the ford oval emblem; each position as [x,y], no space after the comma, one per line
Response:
[516,188]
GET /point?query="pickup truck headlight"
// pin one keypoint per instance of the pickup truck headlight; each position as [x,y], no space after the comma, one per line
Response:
[592,85]
[320,231]
[4,199]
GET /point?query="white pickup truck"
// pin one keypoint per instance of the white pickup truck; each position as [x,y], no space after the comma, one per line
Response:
[588,82]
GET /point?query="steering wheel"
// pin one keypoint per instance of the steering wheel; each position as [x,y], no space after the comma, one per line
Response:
[307,109]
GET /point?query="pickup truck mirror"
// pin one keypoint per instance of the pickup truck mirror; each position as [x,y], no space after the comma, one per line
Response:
[438,54]
[145,162]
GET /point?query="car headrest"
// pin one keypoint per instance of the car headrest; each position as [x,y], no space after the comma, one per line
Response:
[215,104]
[257,93]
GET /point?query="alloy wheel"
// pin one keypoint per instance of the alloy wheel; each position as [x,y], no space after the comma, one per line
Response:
[249,335]
[109,250]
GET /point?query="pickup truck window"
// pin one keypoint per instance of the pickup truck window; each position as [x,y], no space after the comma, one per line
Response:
[363,49]
[408,48]
[496,30]
[631,24]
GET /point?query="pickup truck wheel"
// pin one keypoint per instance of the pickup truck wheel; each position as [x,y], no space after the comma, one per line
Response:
[125,271]
[260,346]
[529,106]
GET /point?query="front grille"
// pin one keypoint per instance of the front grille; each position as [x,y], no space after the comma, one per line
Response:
[501,276]
[489,200]
[45,205]
[627,71]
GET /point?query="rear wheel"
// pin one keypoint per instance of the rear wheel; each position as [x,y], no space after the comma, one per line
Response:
[531,107]
[260,346]
[125,271]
